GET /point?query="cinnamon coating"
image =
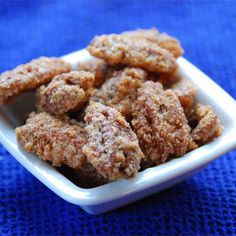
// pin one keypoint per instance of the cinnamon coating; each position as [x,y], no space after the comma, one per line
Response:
[58,140]
[160,123]
[161,39]
[96,66]
[30,76]
[120,91]
[185,90]
[205,124]
[166,79]
[112,147]
[135,52]
[66,92]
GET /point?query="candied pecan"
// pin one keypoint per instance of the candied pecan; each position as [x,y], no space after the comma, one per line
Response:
[30,76]
[185,90]
[135,52]
[205,124]
[162,39]
[120,91]
[166,79]
[96,66]
[171,44]
[160,123]
[88,177]
[58,140]
[112,147]
[66,92]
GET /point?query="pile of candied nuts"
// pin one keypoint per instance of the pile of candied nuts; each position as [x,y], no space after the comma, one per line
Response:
[125,110]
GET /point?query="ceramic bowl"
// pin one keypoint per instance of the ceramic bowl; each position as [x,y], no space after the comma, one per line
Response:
[113,195]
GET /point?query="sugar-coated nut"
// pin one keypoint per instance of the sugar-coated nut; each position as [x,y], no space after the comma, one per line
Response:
[205,124]
[160,123]
[30,76]
[66,92]
[135,52]
[112,147]
[120,90]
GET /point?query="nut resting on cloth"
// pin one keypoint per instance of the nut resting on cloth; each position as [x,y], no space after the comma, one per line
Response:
[30,76]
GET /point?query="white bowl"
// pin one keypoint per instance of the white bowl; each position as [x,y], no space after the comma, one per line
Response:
[110,196]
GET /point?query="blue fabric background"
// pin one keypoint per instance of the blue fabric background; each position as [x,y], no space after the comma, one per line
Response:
[204,204]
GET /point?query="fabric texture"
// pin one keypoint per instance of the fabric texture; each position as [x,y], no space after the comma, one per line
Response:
[204,204]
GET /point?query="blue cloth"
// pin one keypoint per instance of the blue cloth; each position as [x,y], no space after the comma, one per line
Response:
[204,204]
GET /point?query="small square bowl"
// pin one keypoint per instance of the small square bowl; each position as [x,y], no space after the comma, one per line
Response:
[113,195]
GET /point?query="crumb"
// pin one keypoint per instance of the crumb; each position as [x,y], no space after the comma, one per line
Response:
[160,123]
[205,124]
[30,76]
[112,146]
[135,52]
[66,92]
[120,91]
